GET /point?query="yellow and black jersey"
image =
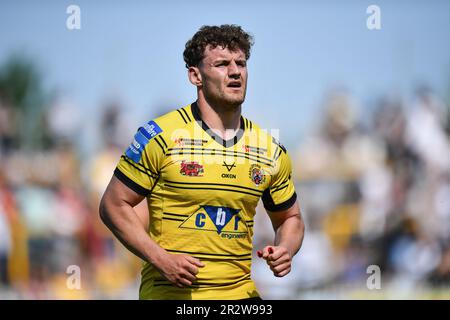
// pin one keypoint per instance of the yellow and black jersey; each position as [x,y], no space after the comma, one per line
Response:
[202,192]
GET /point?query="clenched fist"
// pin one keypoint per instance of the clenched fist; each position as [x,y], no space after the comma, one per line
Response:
[179,269]
[278,259]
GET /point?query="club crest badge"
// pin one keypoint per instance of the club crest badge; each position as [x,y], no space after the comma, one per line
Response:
[256,174]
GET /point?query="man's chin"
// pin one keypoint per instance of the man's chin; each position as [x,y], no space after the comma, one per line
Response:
[228,101]
[234,101]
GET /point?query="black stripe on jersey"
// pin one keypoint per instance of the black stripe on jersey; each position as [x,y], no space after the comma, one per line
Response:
[145,170]
[164,282]
[130,183]
[176,214]
[221,259]
[198,285]
[239,278]
[181,115]
[248,124]
[214,184]
[279,154]
[217,189]
[212,254]
[279,144]
[221,152]
[245,156]
[280,188]
[173,219]
[159,143]
[187,116]
[275,153]
[271,206]
[210,281]
[163,141]
[281,184]
[212,284]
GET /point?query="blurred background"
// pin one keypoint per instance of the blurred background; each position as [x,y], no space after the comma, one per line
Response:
[364,114]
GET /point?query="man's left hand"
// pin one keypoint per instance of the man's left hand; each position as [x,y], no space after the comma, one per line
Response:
[278,259]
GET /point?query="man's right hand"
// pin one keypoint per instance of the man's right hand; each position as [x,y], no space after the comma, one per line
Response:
[179,269]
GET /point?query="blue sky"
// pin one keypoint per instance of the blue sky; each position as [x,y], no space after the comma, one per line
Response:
[133,52]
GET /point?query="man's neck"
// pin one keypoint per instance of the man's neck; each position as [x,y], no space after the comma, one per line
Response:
[224,121]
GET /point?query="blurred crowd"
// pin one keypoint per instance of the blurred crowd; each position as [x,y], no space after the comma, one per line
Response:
[49,198]
[374,190]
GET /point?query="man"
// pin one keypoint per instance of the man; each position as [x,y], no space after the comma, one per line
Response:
[203,169]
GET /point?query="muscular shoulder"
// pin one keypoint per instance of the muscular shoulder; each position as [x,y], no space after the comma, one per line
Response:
[154,136]
[173,120]
[165,125]
[266,139]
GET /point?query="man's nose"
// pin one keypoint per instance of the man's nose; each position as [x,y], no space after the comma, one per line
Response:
[233,70]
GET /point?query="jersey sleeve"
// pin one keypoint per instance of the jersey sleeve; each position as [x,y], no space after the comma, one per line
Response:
[280,195]
[139,166]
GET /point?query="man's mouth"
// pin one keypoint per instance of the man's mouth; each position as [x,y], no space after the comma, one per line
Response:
[234,84]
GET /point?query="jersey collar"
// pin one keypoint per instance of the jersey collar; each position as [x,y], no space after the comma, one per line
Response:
[225,143]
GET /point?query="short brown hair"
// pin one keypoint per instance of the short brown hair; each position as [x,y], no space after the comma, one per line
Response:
[227,35]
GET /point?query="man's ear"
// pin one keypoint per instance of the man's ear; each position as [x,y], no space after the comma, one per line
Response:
[194,76]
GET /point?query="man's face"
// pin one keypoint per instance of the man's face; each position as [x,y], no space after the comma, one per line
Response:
[224,75]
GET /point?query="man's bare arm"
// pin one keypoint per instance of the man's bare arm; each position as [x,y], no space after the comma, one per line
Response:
[118,214]
[289,232]
[289,228]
